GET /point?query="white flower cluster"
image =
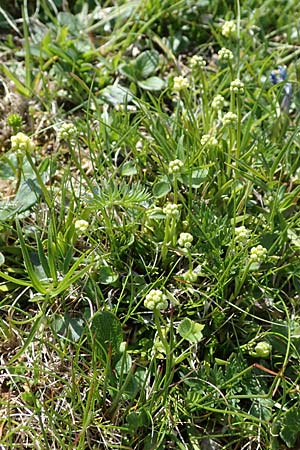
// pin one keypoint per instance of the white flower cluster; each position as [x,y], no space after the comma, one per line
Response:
[258,253]
[237,86]
[67,131]
[175,166]
[229,118]
[208,139]
[21,143]
[180,83]
[225,54]
[197,61]
[171,210]
[81,225]
[218,102]
[228,28]
[155,299]
[242,234]
[185,240]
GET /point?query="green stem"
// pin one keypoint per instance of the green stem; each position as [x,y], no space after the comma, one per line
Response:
[239,123]
[19,171]
[240,283]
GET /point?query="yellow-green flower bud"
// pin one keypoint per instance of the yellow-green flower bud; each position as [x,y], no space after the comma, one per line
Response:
[175,166]
[81,225]
[180,83]
[228,28]
[261,350]
[155,299]
[21,143]
[185,240]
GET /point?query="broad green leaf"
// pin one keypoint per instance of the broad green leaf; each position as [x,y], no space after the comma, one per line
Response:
[146,63]
[29,191]
[107,332]
[190,330]
[161,189]
[280,335]
[116,94]
[262,408]
[129,169]
[68,327]
[290,430]
[136,420]
[106,275]
[129,71]
[152,84]
[37,266]
[195,179]
[124,364]
[19,86]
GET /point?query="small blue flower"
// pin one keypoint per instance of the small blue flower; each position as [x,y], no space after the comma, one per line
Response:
[278,76]
[283,73]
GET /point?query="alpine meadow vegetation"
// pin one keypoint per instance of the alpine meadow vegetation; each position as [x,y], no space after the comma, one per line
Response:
[149,225]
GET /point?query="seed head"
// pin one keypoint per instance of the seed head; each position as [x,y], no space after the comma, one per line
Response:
[237,86]
[197,61]
[180,83]
[258,253]
[230,118]
[175,166]
[21,143]
[67,132]
[81,225]
[228,28]
[185,240]
[225,54]
[155,299]
[171,210]
[218,102]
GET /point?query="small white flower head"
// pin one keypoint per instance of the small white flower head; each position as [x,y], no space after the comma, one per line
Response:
[81,226]
[209,140]
[225,54]
[171,210]
[180,83]
[242,234]
[229,118]
[155,299]
[197,61]
[67,132]
[228,28]
[175,166]
[218,102]
[258,254]
[21,143]
[237,86]
[185,240]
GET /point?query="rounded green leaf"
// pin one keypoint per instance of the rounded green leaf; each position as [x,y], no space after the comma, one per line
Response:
[107,332]
[146,63]
[190,330]
[161,189]
[106,275]
[128,169]
[116,95]
[152,84]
